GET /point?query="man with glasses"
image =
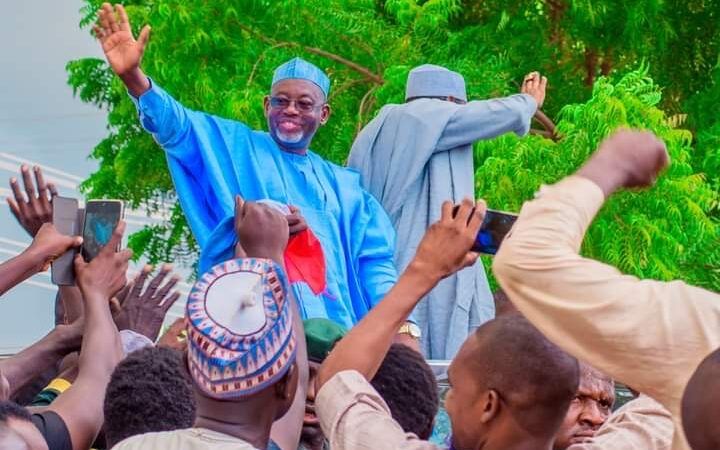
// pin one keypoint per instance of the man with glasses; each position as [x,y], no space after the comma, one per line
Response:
[342,265]
[414,156]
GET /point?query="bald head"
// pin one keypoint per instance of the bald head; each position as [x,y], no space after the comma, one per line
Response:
[536,378]
[700,405]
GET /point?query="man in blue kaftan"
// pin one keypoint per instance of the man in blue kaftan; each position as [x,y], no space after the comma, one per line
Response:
[213,159]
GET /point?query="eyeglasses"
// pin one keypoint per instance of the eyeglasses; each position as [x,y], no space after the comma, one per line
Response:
[304,106]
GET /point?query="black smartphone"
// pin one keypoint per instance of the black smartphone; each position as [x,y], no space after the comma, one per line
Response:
[101,219]
[495,227]
[67,219]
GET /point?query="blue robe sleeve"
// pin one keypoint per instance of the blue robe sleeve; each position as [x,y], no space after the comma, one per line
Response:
[198,148]
[487,119]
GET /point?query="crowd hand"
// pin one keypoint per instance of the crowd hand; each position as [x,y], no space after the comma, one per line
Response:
[262,232]
[446,247]
[105,274]
[175,337]
[122,51]
[49,244]
[296,222]
[626,159]
[35,210]
[142,309]
[72,333]
[534,85]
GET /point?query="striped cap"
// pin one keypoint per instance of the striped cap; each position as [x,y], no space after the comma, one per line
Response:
[240,334]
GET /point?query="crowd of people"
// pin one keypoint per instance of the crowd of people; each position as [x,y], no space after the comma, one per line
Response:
[322,293]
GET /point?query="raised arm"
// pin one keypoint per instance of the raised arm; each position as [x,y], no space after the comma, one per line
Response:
[444,250]
[487,119]
[47,245]
[81,406]
[160,114]
[647,334]
[23,367]
[122,51]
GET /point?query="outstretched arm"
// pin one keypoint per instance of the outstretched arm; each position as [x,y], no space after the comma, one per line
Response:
[81,406]
[486,119]
[47,245]
[444,250]
[618,323]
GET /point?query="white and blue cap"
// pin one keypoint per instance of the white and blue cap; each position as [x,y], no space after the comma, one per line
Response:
[430,80]
[299,69]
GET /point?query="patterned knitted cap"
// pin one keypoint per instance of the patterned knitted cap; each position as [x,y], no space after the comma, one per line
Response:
[240,334]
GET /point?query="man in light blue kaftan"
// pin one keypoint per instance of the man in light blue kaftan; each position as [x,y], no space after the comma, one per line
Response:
[413,157]
[212,159]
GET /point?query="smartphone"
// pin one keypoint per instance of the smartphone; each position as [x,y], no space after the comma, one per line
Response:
[66,217]
[101,219]
[495,227]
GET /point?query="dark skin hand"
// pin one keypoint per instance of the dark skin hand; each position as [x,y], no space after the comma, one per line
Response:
[23,367]
[33,208]
[263,233]
[626,159]
[122,51]
[175,337]
[81,406]
[46,247]
[296,222]
[445,249]
[143,309]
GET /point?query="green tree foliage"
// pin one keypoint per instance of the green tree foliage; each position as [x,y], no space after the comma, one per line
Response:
[664,233]
[219,57]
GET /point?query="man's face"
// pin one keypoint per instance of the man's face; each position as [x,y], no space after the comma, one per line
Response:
[312,434]
[464,401]
[294,111]
[589,409]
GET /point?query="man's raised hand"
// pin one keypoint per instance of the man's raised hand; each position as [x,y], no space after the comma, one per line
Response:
[143,308]
[122,50]
[105,275]
[535,85]
[446,246]
[626,159]
[35,210]
[262,232]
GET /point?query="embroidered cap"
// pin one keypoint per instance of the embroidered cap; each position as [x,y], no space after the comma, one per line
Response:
[240,334]
[299,69]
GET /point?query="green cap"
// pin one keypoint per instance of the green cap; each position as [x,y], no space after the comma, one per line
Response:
[321,336]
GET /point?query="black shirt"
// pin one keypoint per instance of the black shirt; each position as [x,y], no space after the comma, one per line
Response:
[53,429]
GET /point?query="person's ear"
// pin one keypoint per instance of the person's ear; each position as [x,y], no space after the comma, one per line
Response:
[325,114]
[490,405]
[266,106]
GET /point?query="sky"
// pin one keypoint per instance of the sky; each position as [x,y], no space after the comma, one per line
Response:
[42,122]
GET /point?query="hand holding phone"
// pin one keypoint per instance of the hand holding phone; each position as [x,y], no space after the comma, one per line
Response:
[101,219]
[496,225]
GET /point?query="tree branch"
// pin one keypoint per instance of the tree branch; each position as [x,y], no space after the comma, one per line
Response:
[367,73]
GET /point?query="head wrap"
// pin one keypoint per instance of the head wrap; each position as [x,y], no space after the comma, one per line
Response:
[299,69]
[240,336]
[321,336]
[429,80]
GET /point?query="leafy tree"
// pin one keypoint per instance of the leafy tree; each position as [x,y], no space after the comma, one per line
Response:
[665,233]
[219,57]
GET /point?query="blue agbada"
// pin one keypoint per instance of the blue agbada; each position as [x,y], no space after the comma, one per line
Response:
[212,159]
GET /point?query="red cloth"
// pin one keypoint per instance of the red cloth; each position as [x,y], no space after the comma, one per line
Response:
[305,261]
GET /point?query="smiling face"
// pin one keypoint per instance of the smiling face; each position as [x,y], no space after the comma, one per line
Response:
[295,109]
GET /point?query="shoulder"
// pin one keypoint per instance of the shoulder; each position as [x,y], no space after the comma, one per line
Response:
[150,441]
